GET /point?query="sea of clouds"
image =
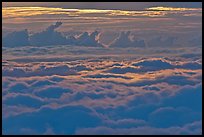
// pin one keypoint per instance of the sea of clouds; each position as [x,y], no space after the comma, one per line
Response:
[83,89]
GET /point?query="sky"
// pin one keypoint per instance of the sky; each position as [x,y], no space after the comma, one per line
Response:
[102,68]
[183,19]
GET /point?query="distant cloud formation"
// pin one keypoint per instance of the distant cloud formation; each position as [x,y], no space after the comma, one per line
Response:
[17,38]
[86,39]
[89,71]
[124,41]
[50,37]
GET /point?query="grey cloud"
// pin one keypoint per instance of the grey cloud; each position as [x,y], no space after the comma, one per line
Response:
[124,41]
[51,37]
[194,128]
[53,27]
[168,116]
[86,39]
[52,92]
[23,100]
[15,39]
[153,65]
[63,120]
[18,88]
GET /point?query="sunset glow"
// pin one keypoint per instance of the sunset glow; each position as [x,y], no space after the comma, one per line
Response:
[84,68]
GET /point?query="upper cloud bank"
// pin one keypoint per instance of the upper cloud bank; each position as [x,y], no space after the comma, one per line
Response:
[50,37]
[124,41]
[106,5]
[17,38]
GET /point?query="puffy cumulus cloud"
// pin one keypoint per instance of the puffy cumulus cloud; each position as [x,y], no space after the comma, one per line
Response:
[18,88]
[124,41]
[63,120]
[50,37]
[15,39]
[86,39]
[52,92]
[39,97]
[181,98]
[156,64]
[169,116]
[23,100]
[144,105]
[194,128]
[41,83]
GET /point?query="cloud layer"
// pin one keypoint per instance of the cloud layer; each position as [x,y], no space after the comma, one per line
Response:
[142,95]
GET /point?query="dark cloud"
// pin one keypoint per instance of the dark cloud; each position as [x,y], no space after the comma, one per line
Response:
[18,88]
[53,27]
[15,39]
[52,92]
[86,39]
[147,65]
[64,120]
[124,41]
[194,128]
[168,117]
[50,37]
[23,100]
[151,65]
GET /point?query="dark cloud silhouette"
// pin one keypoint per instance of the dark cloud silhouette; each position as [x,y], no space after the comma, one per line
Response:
[86,39]
[24,100]
[52,92]
[153,65]
[124,41]
[63,120]
[15,39]
[53,27]
[169,116]
[50,37]
[18,88]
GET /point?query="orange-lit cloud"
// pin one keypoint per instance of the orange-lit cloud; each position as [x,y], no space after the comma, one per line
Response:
[15,12]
